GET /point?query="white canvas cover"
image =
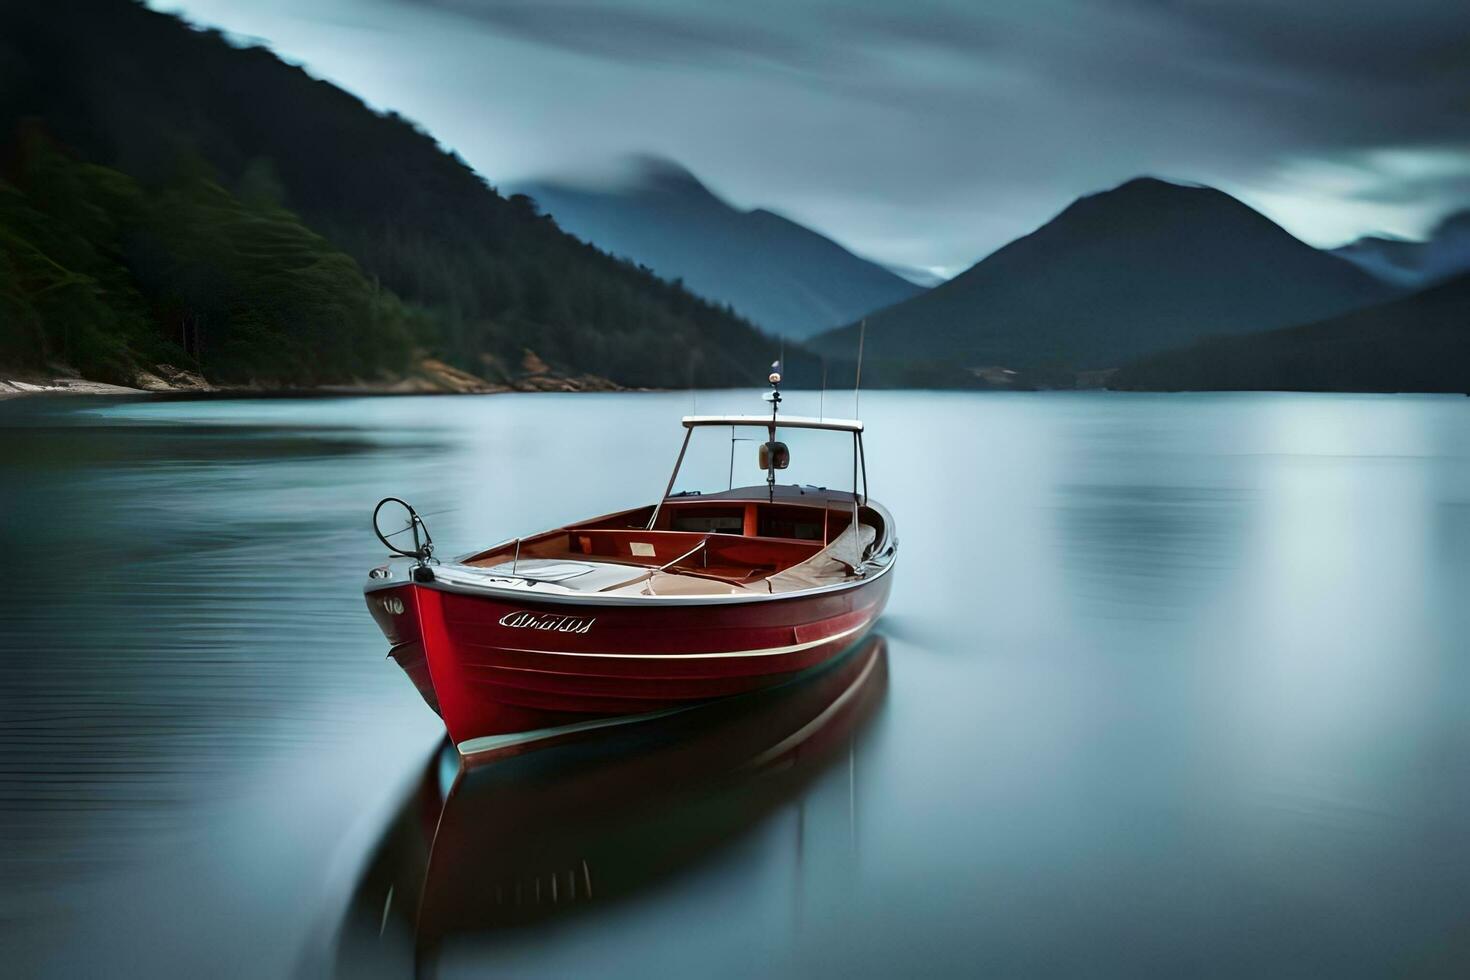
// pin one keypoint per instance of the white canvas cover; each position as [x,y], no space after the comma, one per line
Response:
[834,563]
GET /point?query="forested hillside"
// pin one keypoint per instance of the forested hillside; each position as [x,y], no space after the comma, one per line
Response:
[1418,343]
[108,276]
[169,195]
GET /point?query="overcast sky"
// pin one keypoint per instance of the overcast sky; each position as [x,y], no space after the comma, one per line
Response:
[927,133]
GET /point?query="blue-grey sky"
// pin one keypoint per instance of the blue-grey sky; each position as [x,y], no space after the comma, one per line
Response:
[923,132]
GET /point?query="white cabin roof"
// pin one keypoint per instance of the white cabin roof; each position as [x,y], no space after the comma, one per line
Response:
[782,422]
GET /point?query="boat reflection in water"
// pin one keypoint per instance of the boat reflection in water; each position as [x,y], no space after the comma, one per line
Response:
[557,831]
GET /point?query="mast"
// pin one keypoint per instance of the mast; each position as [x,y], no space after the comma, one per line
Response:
[775,379]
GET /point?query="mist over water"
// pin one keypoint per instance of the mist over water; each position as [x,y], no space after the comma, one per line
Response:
[1173,684]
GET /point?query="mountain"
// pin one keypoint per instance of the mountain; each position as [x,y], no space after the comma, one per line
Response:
[779,274]
[168,196]
[1144,267]
[1420,342]
[1410,263]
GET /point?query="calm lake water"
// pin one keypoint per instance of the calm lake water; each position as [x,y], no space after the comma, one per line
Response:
[1169,685]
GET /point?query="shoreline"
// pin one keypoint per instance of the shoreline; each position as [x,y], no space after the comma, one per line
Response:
[14,388]
[431,377]
[11,388]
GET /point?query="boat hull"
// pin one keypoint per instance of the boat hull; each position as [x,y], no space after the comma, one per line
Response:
[494,666]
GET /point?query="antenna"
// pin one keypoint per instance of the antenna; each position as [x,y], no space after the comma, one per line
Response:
[822,402]
[857,387]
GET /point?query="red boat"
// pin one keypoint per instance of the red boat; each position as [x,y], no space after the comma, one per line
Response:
[643,611]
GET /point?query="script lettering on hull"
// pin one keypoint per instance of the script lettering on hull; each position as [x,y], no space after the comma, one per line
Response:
[522,620]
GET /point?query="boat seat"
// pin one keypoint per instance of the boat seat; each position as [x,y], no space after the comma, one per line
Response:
[663,583]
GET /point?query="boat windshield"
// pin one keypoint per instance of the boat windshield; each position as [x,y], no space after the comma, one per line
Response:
[724,457]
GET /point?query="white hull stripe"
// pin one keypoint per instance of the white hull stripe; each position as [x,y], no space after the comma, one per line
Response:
[489,743]
[765,652]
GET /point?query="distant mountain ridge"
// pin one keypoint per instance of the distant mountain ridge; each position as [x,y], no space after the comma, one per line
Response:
[1144,267]
[783,276]
[1405,262]
[1419,342]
